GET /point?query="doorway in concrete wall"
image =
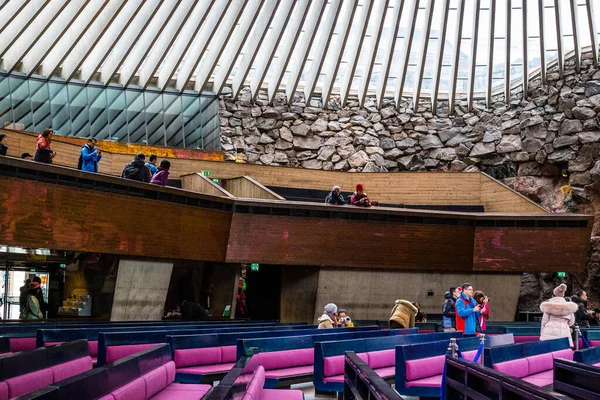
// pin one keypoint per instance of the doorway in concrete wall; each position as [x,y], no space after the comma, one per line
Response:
[263,292]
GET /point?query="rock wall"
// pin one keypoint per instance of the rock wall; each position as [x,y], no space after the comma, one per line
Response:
[545,145]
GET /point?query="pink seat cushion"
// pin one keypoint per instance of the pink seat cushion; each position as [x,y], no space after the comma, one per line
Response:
[155,381]
[200,356]
[470,355]
[523,339]
[93,348]
[22,344]
[134,390]
[27,383]
[337,378]
[431,381]
[541,379]
[281,394]
[282,359]
[517,368]
[293,371]
[382,358]
[256,384]
[114,353]
[177,391]
[71,368]
[170,367]
[107,397]
[207,369]
[424,367]
[594,343]
[334,365]
[597,365]
[566,354]
[3,390]
[228,354]
[386,372]
[540,363]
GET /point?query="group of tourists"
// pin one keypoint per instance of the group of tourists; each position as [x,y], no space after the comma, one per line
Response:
[359,198]
[465,310]
[334,318]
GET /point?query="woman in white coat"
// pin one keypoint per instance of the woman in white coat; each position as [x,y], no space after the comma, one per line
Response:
[558,316]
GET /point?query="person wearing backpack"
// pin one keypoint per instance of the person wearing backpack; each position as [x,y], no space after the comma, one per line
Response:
[136,170]
[32,309]
[90,157]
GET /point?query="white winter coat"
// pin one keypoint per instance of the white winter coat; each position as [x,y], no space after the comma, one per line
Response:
[558,317]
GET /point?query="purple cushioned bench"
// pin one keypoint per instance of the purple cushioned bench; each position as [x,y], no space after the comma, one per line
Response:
[22,344]
[537,369]
[54,372]
[427,372]
[158,384]
[284,363]
[114,353]
[203,361]
[256,391]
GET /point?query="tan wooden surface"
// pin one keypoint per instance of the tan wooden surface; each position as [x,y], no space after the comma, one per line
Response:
[246,187]
[496,197]
[201,184]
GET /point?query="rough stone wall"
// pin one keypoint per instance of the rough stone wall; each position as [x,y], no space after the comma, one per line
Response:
[529,143]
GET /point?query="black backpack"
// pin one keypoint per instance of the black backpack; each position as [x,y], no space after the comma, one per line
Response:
[131,172]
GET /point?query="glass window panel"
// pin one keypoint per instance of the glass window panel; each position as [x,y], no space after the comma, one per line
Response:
[192,122]
[117,115]
[533,53]
[516,48]
[210,123]
[80,118]
[20,102]
[500,28]
[40,106]
[480,79]
[154,118]
[98,113]
[5,108]
[499,59]
[550,29]
[173,125]
[59,100]
[584,29]
[136,121]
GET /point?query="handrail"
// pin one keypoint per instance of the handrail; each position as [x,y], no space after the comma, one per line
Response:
[233,385]
[361,382]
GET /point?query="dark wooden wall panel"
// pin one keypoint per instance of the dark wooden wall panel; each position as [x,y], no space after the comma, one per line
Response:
[531,249]
[331,242]
[36,214]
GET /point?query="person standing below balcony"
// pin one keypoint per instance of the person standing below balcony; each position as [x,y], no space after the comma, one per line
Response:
[482,301]
[44,152]
[90,156]
[403,315]
[151,164]
[582,315]
[467,311]
[558,316]
[449,310]
[3,147]
[328,319]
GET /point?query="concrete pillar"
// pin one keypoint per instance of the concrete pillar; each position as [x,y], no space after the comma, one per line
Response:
[141,290]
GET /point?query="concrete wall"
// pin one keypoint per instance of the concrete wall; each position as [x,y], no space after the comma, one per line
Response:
[298,293]
[371,294]
[141,290]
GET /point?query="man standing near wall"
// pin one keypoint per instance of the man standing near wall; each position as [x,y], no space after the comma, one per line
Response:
[467,311]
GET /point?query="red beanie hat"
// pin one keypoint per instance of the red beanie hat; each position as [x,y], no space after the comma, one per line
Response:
[360,187]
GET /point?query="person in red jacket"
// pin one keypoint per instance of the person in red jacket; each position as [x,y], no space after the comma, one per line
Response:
[360,198]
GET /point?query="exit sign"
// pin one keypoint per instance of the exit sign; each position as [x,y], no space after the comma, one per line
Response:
[254,267]
[63,266]
[561,274]
[206,173]
[215,180]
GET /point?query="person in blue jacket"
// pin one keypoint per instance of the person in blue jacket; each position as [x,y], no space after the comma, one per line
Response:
[467,311]
[90,156]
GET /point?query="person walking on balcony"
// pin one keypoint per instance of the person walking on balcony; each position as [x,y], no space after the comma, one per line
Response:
[558,316]
[136,170]
[582,315]
[90,157]
[3,147]
[335,197]
[44,152]
[161,177]
[151,164]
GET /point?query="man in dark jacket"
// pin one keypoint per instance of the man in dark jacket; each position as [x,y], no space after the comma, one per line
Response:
[449,310]
[137,170]
[582,317]
[335,197]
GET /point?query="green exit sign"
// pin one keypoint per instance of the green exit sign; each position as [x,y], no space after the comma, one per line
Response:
[254,267]
[215,180]
[206,173]
[63,266]
[561,274]
[32,270]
